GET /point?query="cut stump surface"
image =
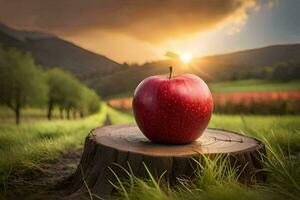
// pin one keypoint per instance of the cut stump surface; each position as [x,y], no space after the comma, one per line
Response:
[125,144]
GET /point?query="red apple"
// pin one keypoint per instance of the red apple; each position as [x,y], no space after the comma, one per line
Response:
[172,110]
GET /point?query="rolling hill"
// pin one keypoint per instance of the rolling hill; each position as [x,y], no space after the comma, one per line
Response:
[109,78]
[248,64]
[52,51]
[265,56]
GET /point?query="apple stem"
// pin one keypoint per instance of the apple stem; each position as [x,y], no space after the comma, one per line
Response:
[170,75]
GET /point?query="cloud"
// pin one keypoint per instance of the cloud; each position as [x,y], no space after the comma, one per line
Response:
[239,18]
[147,20]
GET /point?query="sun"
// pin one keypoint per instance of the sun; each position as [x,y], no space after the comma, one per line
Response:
[185,58]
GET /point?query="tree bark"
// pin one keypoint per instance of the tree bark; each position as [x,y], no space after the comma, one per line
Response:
[18,113]
[81,114]
[18,106]
[68,113]
[50,107]
[125,144]
[61,113]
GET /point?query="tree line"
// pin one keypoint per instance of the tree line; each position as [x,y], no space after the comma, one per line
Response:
[23,83]
[282,72]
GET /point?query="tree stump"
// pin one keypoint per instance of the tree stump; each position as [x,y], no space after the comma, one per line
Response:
[122,144]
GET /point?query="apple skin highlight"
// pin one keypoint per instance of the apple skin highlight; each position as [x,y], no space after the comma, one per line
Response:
[173,110]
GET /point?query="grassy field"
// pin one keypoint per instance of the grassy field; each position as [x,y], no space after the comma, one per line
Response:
[253,86]
[250,85]
[28,114]
[25,147]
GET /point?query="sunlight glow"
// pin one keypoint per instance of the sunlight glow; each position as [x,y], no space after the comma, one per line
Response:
[185,58]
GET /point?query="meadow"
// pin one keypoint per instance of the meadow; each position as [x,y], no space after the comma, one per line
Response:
[25,147]
[254,85]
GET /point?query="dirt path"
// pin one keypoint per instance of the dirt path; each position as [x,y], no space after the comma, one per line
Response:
[40,183]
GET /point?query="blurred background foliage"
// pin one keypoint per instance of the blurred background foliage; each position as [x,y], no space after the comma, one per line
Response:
[25,84]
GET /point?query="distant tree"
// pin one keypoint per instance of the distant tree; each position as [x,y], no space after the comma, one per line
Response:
[90,102]
[64,91]
[286,71]
[56,79]
[68,94]
[126,65]
[94,102]
[73,95]
[21,81]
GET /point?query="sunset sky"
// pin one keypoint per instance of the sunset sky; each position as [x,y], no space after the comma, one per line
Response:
[143,30]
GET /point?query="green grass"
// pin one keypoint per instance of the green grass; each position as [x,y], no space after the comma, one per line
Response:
[215,179]
[253,86]
[24,147]
[27,114]
[278,130]
[119,117]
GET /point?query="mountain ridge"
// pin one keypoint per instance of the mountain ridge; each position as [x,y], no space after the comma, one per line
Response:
[51,51]
[109,78]
[290,51]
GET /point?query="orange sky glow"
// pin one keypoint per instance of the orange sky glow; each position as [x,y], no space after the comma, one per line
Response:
[130,48]
[144,30]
